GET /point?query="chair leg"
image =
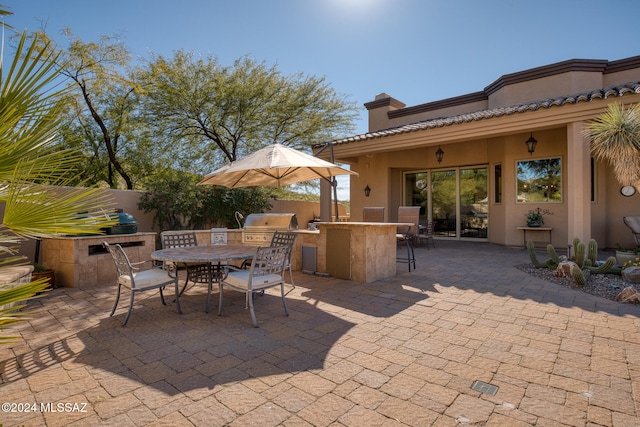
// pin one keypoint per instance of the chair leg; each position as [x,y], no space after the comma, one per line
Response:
[117,299]
[162,297]
[291,276]
[409,254]
[209,289]
[284,302]
[220,300]
[253,313]
[126,319]
[413,257]
[177,295]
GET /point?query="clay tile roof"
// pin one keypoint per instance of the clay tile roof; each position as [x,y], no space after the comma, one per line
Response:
[615,91]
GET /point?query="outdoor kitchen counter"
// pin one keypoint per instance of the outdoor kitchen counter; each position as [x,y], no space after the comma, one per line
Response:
[365,251]
[81,261]
[360,251]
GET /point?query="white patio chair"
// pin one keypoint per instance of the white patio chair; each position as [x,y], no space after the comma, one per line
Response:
[136,279]
[266,271]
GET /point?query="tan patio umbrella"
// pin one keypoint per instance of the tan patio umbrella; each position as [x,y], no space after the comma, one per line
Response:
[275,165]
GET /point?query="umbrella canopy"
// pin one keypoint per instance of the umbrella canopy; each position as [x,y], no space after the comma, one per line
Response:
[275,165]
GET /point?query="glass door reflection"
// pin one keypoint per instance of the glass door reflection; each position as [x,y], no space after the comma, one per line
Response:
[443,202]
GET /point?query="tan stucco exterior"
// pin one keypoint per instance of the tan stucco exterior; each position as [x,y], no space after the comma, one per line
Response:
[552,103]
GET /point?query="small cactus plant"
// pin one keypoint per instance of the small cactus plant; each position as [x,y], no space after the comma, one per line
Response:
[585,260]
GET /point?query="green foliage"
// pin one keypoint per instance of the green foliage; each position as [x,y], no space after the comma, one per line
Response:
[606,267]
[580,254]
[580,276]
[553,254]
[586,264]
[38,199]
[619,248]
[39,268]
[615,138]
[215,114]
[19,294]
[179,204]
[534,216]
[533,257]
[593,251]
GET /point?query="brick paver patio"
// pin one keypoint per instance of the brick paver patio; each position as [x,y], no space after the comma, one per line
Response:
[404,351]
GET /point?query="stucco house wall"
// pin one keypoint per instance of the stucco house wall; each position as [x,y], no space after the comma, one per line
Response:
[490,127]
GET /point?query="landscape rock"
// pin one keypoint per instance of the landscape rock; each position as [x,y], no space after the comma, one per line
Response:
[628,294]
[564,269]
[631,275]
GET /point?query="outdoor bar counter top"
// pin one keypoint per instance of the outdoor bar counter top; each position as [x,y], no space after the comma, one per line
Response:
[359,251]
[368,249]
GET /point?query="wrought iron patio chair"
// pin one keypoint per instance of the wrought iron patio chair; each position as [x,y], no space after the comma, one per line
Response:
[266,271]
[196,272]
[137,279]
[285,238]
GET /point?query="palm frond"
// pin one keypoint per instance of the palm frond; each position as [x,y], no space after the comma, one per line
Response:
[18,294]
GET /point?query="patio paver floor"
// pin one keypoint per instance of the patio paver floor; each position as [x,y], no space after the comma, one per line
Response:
[403,351]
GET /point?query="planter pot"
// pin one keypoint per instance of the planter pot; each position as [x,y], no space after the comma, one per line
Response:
[622,257]
[533,224]
[48,274]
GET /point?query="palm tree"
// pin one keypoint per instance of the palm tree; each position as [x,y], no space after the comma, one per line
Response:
[615,138]
[33,172]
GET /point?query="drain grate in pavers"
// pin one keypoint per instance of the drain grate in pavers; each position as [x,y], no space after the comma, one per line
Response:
[483,387]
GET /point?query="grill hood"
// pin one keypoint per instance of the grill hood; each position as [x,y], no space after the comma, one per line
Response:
[272,221]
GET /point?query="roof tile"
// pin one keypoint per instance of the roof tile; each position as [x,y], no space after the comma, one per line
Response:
[614,91]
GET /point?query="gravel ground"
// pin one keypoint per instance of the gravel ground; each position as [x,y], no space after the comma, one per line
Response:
[603,285]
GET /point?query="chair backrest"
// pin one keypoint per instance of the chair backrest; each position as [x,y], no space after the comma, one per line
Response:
[284,238]
[410,214]
[120,258]
[172,239]
[373,214]
[269,260]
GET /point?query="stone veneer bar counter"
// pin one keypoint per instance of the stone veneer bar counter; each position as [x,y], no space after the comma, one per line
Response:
[371,248]
[81,261]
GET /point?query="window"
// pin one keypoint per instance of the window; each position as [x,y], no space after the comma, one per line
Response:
[539,181]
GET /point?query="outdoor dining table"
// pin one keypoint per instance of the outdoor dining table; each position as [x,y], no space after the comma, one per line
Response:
[211,255]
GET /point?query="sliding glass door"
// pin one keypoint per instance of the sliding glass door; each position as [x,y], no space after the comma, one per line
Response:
[455,199]
[443,206]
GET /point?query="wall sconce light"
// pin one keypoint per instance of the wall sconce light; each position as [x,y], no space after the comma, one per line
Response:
[367,191]
[439,154]
[531,144]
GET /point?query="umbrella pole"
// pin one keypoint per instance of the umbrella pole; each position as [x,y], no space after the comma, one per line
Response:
[334,183]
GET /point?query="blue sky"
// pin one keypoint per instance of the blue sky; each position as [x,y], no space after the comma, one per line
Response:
[415,50]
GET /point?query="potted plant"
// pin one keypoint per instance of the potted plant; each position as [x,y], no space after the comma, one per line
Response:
[42,272]
[626,255]
[534,218]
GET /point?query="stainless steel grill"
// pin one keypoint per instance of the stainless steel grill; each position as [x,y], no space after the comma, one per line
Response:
[259,228]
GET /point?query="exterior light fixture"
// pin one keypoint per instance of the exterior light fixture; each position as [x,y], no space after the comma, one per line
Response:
[531,144]
[367,191]
[439,154]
